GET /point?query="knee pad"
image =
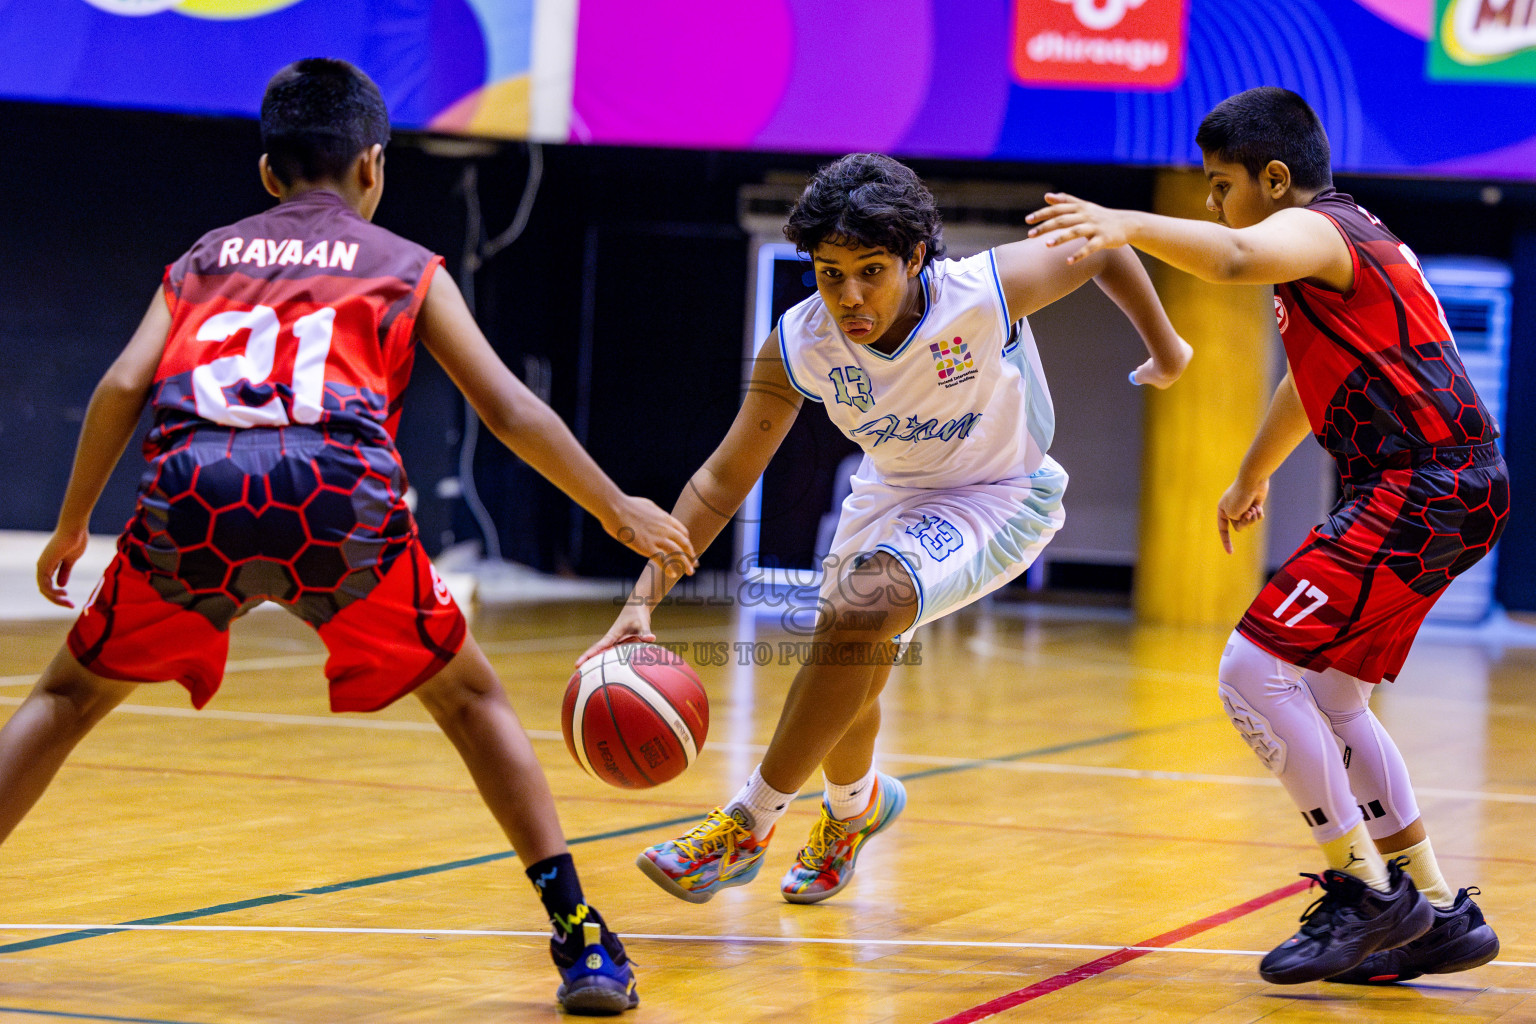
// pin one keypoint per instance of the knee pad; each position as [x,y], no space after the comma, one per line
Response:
[1254,728]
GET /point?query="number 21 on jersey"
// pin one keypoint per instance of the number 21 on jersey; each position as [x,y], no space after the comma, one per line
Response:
[254,366]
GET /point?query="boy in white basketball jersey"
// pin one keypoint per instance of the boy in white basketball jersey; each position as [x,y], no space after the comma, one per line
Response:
[928,365]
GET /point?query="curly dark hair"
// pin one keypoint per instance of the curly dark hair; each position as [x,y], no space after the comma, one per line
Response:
[869,200]
[317,115]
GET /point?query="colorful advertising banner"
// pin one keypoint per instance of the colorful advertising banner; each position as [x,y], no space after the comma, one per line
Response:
[1080,81]
[1484,41]
[1434,87]
[450,65]
[1101,44]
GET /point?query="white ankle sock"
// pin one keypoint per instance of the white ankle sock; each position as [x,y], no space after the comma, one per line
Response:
[847,802]
[850,800]
[764,804]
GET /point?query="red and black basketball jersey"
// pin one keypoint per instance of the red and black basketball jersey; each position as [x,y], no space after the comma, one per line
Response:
[303,314]
[1376,367]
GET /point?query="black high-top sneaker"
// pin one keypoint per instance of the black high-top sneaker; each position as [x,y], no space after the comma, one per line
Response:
[1459,940]
[1347,924]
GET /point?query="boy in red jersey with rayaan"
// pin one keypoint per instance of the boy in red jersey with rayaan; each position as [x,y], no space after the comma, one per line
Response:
[1374,374]
[274,357]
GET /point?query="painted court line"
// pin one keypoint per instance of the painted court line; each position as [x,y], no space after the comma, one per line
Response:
[531,645]
[61,1015]
[768,940]
[951,763]
[1094,968]
[509,933]
[1114,957]
[943,765]
[259,901]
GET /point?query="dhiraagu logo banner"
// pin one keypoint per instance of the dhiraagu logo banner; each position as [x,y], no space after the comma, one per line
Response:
[467,66]
[1484,40]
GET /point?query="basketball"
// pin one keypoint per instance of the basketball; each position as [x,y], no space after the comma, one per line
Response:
[635,715]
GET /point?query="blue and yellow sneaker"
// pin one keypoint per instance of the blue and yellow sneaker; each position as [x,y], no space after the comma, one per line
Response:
[599,981]
[826,862]
[715,854]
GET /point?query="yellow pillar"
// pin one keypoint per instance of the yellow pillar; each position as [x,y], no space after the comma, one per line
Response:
[1195,435]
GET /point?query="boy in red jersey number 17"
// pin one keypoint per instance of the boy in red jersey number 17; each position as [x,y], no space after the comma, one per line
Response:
[274,357]
[1374,374]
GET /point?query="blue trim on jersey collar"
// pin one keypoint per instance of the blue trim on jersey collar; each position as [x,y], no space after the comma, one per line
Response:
[927,308]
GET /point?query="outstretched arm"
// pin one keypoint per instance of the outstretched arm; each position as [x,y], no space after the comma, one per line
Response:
[110,421]
[1289,245]
[721,484]
[537,435]
[1033,277]
[1285,426]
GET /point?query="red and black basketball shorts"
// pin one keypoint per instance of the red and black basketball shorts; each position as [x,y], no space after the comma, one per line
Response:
[1354,595]
[311,519]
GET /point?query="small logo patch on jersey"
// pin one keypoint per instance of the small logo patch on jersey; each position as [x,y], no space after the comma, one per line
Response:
[439,585]
[952,360]
[1281,316]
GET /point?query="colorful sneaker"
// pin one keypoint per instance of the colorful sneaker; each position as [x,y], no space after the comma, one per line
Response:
[1459,940]
[1349,923]
[600,981]
[715,854]
[826,861]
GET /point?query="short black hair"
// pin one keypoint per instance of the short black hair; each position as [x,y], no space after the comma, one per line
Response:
[1269,123]
[869,200]
[317,115]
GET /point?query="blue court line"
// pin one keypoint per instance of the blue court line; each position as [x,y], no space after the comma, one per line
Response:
[432,869]
[87,1016]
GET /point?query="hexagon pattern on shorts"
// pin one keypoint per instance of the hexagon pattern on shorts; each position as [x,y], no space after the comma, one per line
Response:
[228,519]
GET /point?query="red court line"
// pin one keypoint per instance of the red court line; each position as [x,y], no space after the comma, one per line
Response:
[1096,967]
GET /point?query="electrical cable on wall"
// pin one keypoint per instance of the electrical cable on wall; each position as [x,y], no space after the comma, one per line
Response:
[477,251]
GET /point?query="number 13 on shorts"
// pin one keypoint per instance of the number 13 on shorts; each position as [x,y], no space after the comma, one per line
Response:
[1303,591]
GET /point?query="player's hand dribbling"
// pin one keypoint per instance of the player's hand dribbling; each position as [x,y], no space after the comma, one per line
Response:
[647,529]
[59,556]
[1068,217]
[633,623]
[1240,508]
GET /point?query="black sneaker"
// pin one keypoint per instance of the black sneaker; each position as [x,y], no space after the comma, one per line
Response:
[1459,940]
[596,980]
[1349,923]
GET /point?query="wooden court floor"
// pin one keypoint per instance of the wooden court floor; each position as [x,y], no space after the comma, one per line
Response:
[1087,840]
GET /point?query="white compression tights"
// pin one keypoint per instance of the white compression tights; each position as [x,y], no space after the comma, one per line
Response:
[1316,732]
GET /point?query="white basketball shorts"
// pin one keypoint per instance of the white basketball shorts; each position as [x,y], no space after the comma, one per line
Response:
[958,544]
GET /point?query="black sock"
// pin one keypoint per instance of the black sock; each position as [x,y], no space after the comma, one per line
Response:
[560,890]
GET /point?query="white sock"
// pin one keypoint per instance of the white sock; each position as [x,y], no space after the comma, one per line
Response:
[850,800]
[763,804]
